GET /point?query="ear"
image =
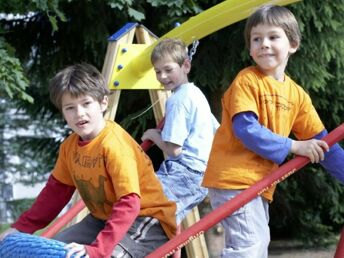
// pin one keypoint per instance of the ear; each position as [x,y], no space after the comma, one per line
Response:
[186,66]
[293,47]
[104,103]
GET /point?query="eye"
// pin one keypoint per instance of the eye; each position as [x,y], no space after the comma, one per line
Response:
[272,37]
[87,103]
[255,39]
[69,108]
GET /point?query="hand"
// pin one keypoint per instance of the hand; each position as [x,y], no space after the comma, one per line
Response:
[151,134]
[7,232]
[77,250]
[313,149]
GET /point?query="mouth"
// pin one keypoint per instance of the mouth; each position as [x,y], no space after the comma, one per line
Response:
[81,123]
[167,84]
[266,55]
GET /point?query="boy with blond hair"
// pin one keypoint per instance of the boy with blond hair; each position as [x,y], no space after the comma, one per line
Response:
[188,131]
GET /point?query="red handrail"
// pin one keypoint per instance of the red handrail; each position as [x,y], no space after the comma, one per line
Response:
[59,223]
[340,247]
[241,199]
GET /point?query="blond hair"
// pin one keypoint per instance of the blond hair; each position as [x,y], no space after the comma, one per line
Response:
[174,48]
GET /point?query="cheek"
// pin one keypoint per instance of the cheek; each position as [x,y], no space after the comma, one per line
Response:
[67,116]
[251,51]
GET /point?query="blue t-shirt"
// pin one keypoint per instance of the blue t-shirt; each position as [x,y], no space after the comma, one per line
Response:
[189,123]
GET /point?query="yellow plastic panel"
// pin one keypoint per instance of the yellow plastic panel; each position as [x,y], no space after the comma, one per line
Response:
[124,77]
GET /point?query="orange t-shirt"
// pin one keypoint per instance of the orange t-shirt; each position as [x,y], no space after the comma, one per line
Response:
[111,166]
[282,107]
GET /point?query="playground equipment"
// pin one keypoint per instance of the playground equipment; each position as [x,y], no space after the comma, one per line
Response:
[244,197]
[340,247]
[24,245]
[127,66]
[21,245]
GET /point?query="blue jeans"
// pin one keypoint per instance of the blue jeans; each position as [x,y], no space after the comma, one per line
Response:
[247,233]
[182,185]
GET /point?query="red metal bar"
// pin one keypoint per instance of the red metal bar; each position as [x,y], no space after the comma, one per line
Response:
[340,248]
[80,205]
[63,220]
[241,199]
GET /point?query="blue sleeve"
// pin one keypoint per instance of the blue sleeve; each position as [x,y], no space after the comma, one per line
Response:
[260,139]
[334,159]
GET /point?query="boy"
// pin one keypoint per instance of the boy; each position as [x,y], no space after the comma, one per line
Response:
[188,130]
[260,109]
[129,213]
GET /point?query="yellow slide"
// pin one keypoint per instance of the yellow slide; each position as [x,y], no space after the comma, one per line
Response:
[197,27]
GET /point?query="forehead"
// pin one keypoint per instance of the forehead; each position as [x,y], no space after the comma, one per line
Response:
[68,98]
[165,61]
[266,28]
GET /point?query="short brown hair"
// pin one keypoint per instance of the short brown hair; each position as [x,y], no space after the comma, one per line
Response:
[174,48]
[277,16]
[77,80]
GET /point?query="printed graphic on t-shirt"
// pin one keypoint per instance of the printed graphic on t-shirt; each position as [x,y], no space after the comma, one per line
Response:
[276,101]
[87,161]
[94,197]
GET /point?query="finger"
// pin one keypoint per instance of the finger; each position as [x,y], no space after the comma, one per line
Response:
[316,153]
[79,254]
[74,251]
[324,145]
[321,154]
[309,154]
[320,150]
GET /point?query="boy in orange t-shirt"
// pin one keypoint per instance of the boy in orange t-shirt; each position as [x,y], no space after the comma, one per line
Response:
[260,109]
[129,213]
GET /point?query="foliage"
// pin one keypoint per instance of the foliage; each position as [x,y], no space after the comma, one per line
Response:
[17,207]
[51,34]
[12,80]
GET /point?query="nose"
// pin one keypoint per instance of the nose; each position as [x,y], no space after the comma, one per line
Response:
[163,75]
[80,111]
[265,43]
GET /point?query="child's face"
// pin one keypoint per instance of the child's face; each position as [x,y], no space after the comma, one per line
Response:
[84,115]
[270,49]
[170,74]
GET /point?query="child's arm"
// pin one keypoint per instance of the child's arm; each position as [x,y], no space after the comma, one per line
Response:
[334,159]
[49,203]
[272,146]
[171,149]
[123,215]
[275,147]
[259,139]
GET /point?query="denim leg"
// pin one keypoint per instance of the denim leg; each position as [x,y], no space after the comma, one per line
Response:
[247,233]
[182,186]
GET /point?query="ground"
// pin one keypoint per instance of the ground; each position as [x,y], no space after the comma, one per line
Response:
[278,248]
[281,249]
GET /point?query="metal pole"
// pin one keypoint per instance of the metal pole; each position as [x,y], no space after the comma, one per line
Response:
[241,199]
[340,248]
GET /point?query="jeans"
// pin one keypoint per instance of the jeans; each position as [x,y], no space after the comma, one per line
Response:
[182,185]
[247,233]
